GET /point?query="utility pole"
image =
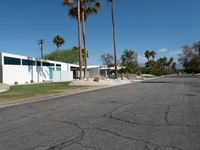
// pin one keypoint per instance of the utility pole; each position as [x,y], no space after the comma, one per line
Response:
[41,43]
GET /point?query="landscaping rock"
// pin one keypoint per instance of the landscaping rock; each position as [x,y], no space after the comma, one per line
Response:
[4,87]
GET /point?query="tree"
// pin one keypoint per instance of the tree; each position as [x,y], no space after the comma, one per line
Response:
[194,64]
[129,61]
[88,7]
[152,54]
[190,58]
[58,41]
[174,67]
[169,63]
[67,56]
[147,55]
[71,3]
[114,36]
[160,67]
[196,46]
[107,59]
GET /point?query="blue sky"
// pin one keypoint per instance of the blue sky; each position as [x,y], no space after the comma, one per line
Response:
[160,25]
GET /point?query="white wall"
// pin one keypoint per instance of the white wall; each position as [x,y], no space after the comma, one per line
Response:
[60,76]
[24,74]
[93,72]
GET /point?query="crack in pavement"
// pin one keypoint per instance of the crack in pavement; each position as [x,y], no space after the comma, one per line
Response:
[147,144]
[67,141]
[129,138]
[87,147]
[166,115]
[173,147]
[120,106]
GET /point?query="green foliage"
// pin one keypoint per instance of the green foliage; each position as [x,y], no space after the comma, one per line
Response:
[162,66]
[150,54]
[88,7]
[190,58]
[31,90]
[67,56]
[193,65]
[58,41]
[107,60]
[129,62]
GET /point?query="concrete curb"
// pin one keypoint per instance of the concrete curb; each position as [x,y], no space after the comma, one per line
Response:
[48,97]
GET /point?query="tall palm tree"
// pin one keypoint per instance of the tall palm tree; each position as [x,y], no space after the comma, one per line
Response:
[78,4]
[147,54]
[114,36]
[88,7]
[58,41]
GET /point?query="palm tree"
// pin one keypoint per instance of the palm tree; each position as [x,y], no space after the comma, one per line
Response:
[88,7]
[147,54]
[58,41]
[78,4]
[169,63]
[152,54]
[114,36]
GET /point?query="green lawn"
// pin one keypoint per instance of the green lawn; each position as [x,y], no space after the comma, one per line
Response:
[33,90]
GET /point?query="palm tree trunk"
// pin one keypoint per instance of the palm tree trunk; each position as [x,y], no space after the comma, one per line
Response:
[114,38]
[84,42]
[79,41]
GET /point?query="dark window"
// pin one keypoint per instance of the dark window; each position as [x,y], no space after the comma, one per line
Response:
[11,61]
[26,62]
[58,65]
[47,64]
[74,69]
[39,63]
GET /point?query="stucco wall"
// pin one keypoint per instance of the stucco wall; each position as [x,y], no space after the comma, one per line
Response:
[93,72]
[24,74]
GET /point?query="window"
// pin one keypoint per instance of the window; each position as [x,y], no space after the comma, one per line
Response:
[47,64]
[26,62]
[38,63]
[58,65]
[74,69]
[11,61]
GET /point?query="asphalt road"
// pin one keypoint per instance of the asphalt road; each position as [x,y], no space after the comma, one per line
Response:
[162,114]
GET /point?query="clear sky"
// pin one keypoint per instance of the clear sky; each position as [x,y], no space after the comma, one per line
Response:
[160,25]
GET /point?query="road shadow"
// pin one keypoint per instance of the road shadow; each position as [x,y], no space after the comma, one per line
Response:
[158,82]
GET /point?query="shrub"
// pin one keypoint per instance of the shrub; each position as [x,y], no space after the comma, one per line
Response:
[96,79]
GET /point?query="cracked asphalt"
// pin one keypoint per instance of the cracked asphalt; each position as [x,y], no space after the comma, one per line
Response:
[161,114]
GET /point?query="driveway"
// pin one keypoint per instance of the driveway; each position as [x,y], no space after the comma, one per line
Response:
[161,114]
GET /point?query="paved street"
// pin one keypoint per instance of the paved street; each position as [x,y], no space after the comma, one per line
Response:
[162,114]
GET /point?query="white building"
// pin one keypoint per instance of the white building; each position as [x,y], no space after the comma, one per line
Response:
[16,69]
